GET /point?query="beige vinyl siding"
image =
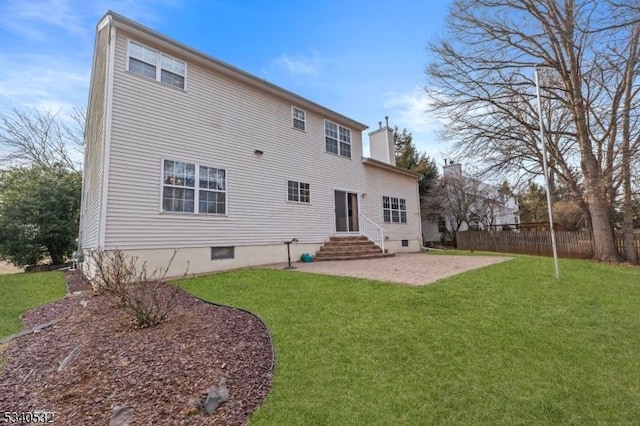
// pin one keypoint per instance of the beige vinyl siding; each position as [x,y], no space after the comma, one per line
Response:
[218,122]
[386,183]
[94,158]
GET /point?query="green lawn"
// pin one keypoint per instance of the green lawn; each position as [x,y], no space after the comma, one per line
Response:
[505,344]
[21,292]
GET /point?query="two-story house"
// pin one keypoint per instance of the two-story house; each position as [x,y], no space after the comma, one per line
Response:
[481,205]
[186,152]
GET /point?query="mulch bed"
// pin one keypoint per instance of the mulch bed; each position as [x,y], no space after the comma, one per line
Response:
[157,371]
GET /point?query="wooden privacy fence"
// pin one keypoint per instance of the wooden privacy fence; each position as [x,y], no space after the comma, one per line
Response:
[577,244]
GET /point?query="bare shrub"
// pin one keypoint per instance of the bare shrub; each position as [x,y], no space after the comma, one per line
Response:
[131,287]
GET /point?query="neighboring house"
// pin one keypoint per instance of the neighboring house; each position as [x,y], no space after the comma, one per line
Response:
[490,209]
[186,152]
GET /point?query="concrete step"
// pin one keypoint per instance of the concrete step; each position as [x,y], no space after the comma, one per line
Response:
[350,238]
[347,253]
[348,243]
[350,248]
[352,257]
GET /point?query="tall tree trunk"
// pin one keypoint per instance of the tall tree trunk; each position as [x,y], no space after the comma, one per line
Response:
[627,212]
[56,255]
[627,201]
[603,238]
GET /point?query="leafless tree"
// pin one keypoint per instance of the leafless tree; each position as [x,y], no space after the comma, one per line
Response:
[462,199]
[488,208]
[630,140]
[568,215]
[481,82]
[42,138]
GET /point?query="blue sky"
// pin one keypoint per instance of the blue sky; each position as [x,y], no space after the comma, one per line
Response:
[362,59]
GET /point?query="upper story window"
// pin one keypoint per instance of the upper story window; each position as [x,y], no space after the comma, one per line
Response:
[182,192]
[172,71]
[337,139]
[155,65]
[299,118]
[298,191]
[394,210]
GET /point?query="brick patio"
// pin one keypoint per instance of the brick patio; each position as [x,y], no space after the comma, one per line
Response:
[413,268]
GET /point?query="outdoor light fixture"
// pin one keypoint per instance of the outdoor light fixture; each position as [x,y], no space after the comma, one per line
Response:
[545,170]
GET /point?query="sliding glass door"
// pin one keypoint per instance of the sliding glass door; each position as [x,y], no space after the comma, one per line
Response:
[346,210]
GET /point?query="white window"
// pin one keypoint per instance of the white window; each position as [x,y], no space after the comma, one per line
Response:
[142,60]
[298,191]
[156,66]
[394,210]
[183,193]
[178,187]
[337,139]
[172,71]
[212,194]
[442,225]
[299,118]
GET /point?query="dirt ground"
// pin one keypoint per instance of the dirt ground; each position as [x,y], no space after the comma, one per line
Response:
[7,268]
[93,359]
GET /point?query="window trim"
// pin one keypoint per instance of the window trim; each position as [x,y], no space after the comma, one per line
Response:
[303,120]
[401,204]
[196,188]
[298,192]
[158,65]
[338,139]
[219,191]
[442,225]
[175,185]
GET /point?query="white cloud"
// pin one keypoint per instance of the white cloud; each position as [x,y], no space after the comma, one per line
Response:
[138,10]
[39,80]
[34,19]
[300,64]
[25,17]
[47,52]
[410,110]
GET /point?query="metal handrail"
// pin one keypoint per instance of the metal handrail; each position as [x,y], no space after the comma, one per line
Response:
[372,231]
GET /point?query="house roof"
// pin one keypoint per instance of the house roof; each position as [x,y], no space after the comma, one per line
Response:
[382,165]
[120,21]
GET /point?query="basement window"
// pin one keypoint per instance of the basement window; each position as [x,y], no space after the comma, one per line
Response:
[219,253]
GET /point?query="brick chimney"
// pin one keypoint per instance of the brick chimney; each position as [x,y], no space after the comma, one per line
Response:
[381,144]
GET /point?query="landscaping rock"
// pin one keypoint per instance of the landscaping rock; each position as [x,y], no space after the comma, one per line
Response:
[120,416]
[216,397]
[194,407]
